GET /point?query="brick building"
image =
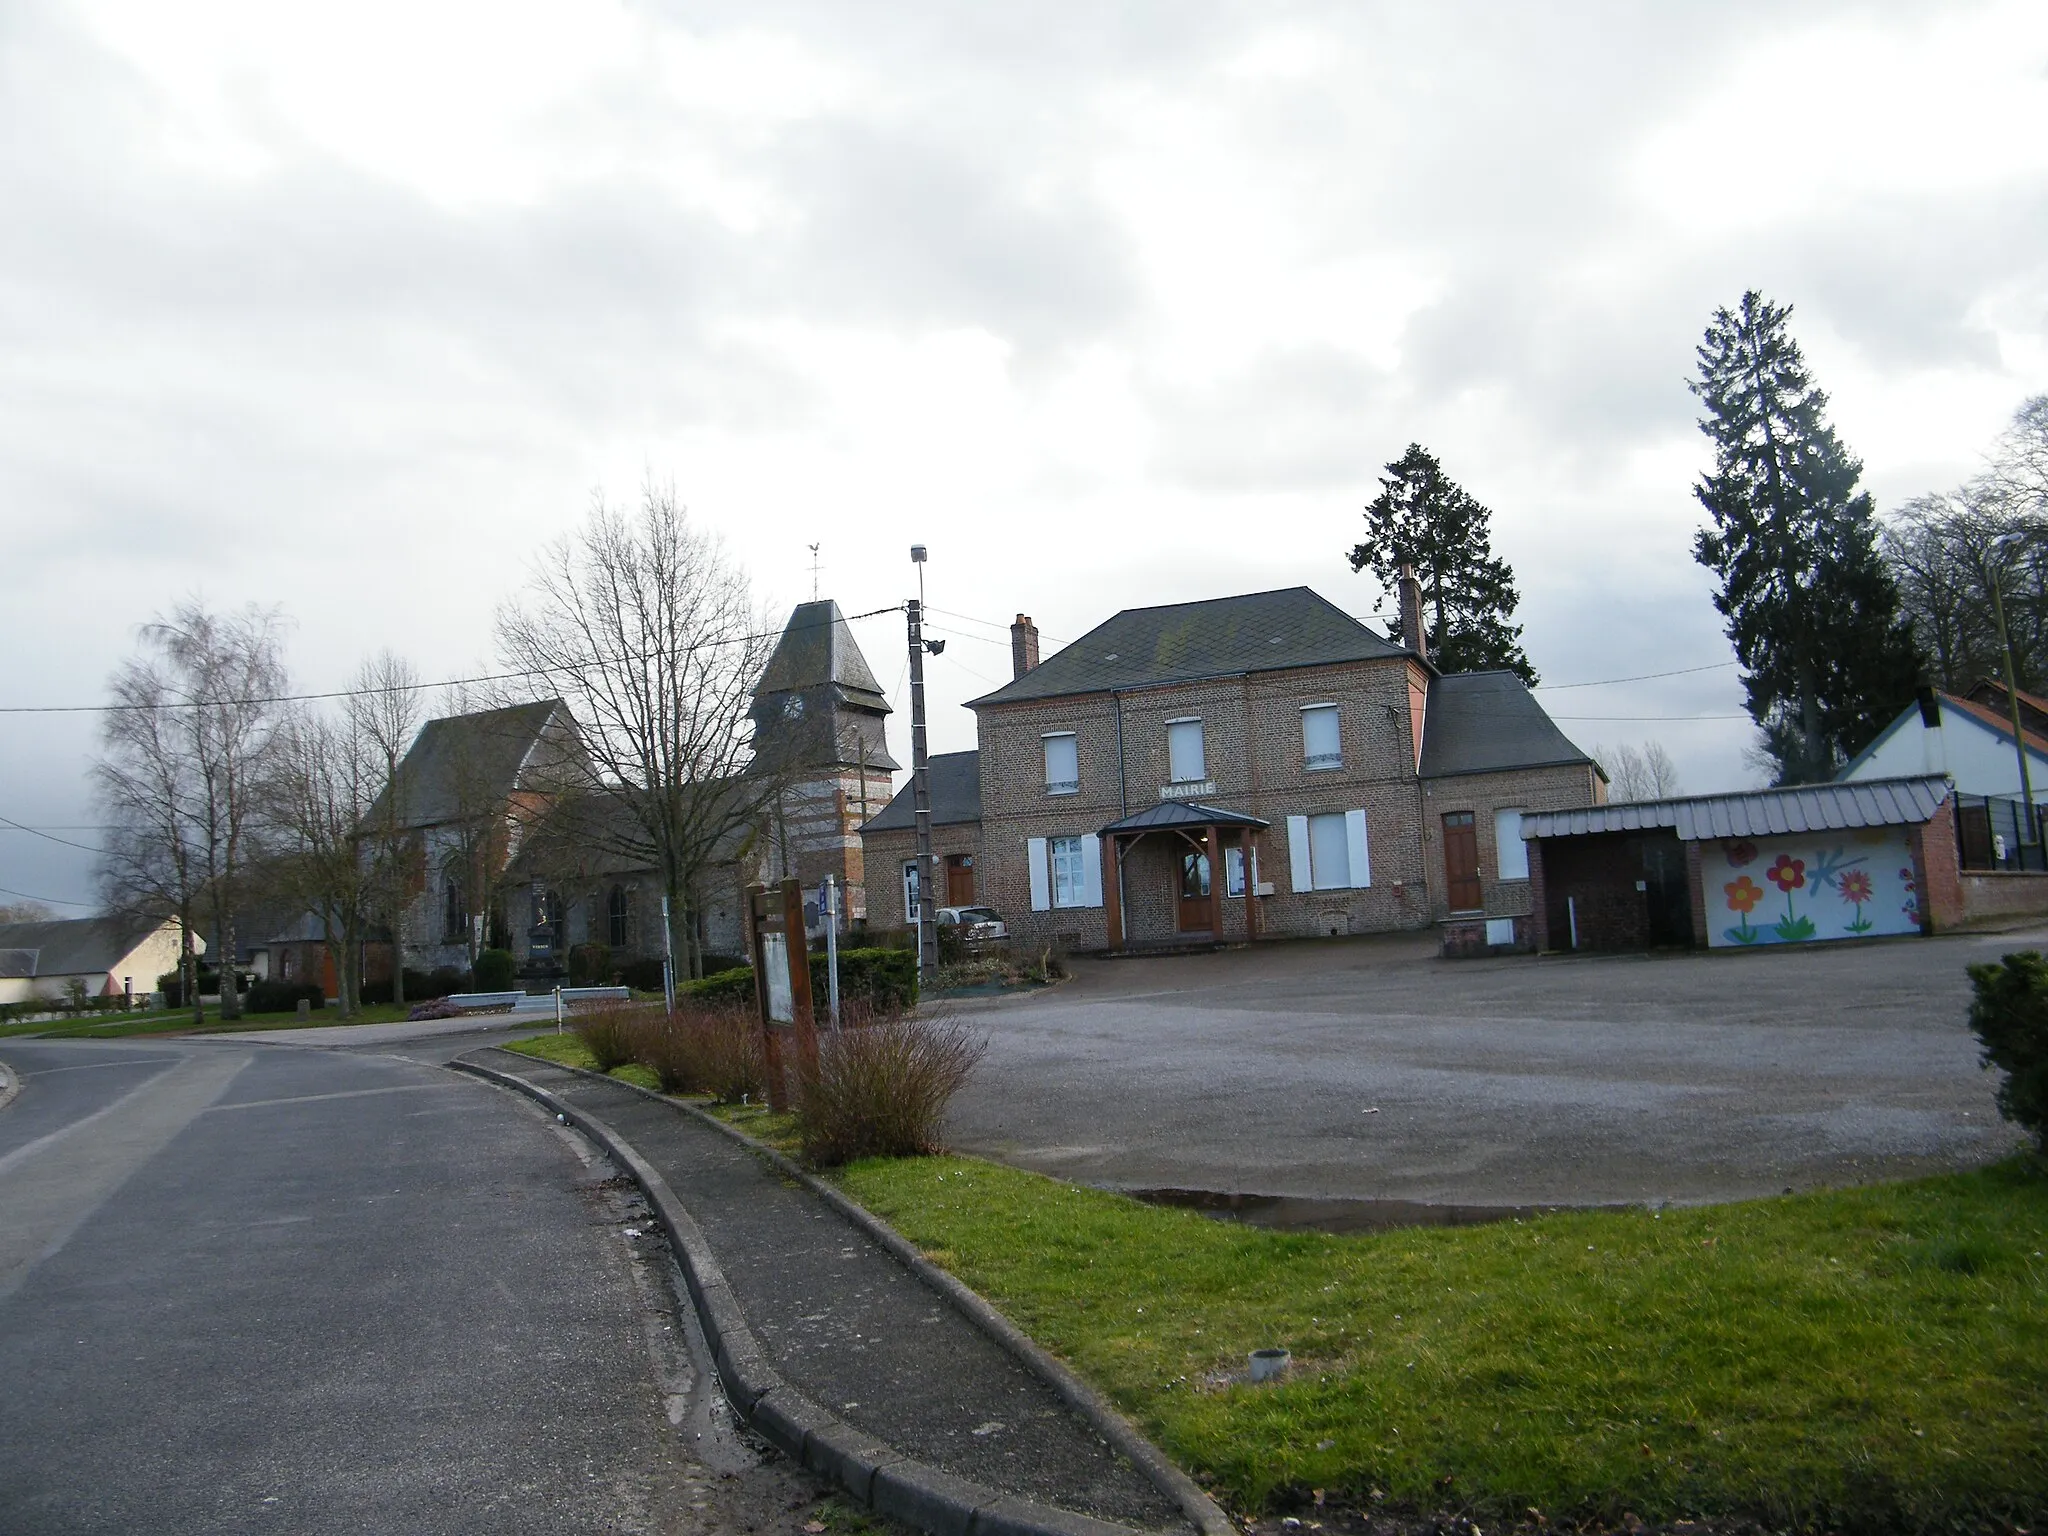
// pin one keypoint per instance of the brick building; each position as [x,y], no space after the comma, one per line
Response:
[1245,767]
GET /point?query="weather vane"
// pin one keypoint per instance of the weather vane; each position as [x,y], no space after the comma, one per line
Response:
[814,573]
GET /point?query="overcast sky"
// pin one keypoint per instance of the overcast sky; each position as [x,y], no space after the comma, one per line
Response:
[352,308]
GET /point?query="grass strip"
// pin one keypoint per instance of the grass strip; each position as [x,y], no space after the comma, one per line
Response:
[568,1050]
[1873,1359]
[124,1026]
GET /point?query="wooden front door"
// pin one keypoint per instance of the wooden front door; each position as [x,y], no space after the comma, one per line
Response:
[1461,862]
[960,880]
[1195,907]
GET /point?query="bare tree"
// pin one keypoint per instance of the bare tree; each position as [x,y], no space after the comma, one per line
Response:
[1638,773]
[385,702]
[325,774]
[1947,552]
[25,912]
[650,633]
[181,757]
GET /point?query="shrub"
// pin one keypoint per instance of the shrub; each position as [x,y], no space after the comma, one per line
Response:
[495,971]
[882,1089]
[883,980]
[641,975]
[728,989]
[2010,1017]
[436,1008]
[714,1050]
[590,965]
[283,996]
[614,1034]
[172,985]
[715,964]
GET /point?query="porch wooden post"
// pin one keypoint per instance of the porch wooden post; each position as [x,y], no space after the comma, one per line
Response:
[1217,880]
[1251,886]
[1112,903]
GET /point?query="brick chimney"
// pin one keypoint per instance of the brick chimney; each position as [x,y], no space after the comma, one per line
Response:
[1413,635]
[1023,645]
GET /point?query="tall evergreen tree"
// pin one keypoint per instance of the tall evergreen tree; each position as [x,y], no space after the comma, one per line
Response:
[1812,611]
[1424,518]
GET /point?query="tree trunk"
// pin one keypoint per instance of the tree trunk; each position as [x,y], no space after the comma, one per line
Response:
[230,995]
[188,966]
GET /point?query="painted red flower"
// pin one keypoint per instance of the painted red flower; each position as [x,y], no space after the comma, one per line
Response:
[1788,874]
[1854,885]
[1743,895]
[1740,854]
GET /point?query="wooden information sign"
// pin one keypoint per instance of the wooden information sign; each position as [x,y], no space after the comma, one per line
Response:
[782,981]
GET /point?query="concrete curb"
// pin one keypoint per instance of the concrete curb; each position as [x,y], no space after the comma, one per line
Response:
[10,1084]
[872,1471]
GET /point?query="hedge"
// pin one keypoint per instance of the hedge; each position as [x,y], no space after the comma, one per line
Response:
[883,979]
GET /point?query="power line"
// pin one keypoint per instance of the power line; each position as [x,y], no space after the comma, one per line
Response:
[48,900]
[1637,719]
[451,682]
[1641,677]
[8,822]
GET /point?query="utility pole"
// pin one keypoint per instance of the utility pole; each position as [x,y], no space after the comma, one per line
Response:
[2012,698]
[920,780]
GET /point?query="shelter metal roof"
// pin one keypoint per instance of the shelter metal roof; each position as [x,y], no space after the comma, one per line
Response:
[1758,813]
[1181,813]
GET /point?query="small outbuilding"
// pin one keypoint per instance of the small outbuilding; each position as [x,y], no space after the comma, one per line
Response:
[1801,865]
[106,956]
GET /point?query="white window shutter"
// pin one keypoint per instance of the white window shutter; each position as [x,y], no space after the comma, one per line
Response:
[1297,853]
[1091,870]
[1041,881]
[1361,860]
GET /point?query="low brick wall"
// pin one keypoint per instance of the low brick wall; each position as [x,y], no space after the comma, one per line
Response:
[1465,937]
[1995,895]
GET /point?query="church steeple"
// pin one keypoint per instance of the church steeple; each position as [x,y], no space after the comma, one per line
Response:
[818,694]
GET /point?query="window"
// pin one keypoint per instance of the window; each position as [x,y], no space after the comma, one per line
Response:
[1321,746]
[1186,764]
[1328,853]
[620,924]
[910,890]
[1062,764]
[1065,871]
[1509,848]
[454,913]
[1069,873]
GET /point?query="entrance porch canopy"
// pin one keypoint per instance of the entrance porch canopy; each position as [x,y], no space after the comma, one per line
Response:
[1201,825]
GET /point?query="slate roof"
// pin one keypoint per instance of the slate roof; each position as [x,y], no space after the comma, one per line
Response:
[478,753]
[77,946]
[1182,642]
[955,779]
[1485,722]
[817,648]
[1181,813]
[1835,807]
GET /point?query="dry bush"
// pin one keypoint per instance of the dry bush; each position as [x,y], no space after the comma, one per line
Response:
[882,1088]
[705,1050]
[613,1033]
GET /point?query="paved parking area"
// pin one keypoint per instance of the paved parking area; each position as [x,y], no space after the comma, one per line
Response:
[1371,1070]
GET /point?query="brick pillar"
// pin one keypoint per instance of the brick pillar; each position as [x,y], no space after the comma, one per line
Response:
[1695,880]
[1937,872]
[1539,921]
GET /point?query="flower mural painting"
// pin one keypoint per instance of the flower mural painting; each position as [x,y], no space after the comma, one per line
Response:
[1856,889]
[1743,895]
[1789,875]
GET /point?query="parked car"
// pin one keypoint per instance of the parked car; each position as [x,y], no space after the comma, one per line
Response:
[979,927]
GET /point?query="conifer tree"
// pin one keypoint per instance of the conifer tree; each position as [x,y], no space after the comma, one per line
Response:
[1423,518]
[1812,611]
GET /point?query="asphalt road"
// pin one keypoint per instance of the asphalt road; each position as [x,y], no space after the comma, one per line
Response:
[1369,1070]
[277,1289]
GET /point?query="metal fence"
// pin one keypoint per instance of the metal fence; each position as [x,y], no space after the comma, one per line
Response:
[1999,833]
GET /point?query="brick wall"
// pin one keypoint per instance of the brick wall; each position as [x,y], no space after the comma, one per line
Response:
[888,852]
[1252,739]
[1599,873]
[1566,787]
[1936,868]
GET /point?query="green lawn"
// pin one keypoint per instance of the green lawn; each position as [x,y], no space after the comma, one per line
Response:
[567,1049]
[1871,1360]
[1874,1359]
